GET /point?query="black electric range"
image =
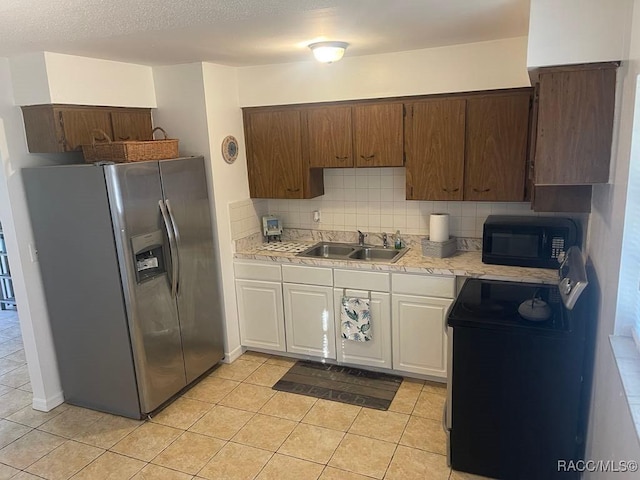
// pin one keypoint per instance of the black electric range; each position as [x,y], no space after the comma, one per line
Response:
[494,304]
[518,389]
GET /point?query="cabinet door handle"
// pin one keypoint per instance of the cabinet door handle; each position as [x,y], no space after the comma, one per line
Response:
[293,190]
[367,157]
[341,158]
[448,190]
[485,190]
[124,138]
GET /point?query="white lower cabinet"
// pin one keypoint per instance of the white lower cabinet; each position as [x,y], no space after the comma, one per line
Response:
[309,320]
[261,314]
[296,309]
[419,334]
[377,351]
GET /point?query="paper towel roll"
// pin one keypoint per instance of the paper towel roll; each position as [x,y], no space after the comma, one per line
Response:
[439,227]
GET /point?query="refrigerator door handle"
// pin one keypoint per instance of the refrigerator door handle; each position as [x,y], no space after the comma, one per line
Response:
[172,248]
[176,234]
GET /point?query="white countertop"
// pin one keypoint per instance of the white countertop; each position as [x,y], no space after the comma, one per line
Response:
[462,263]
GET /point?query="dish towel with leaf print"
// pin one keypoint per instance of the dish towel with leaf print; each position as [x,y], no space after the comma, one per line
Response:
[355,317]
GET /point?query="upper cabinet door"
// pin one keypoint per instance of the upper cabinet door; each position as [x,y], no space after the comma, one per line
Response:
[330,139]
[496,143]
[575,125]
[378,135]
[274,154]
[434,139]
[131,125]
[78,125]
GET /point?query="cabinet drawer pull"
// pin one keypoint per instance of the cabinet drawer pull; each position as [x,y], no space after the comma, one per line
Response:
[448,190]
[124,138]
[367,157]
[293,190]
[485,190]
[341,158]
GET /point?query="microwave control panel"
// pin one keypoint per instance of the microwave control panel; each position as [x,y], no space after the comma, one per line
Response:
[557,247]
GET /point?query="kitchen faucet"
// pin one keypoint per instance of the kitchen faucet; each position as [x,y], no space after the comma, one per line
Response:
[361,238]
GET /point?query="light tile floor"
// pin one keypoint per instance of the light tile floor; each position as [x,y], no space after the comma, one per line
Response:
[230,426]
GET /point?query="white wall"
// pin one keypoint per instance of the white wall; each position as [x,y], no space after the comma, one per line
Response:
[34,322]
[458,68]
[184,98]
[29,77]
[48,77]
[576,31]
[230,182]
[612,435]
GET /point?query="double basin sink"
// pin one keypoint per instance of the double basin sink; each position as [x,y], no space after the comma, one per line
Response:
[346,251]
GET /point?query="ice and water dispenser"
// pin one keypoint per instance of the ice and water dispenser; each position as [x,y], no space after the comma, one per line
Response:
[149,258]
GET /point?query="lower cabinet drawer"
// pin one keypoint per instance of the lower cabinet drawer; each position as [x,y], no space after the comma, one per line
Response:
[269,272]
[377,351]
[426,285]
[307,275]
[374,281]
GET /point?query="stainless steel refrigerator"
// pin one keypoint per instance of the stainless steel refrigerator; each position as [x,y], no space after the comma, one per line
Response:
[130,275]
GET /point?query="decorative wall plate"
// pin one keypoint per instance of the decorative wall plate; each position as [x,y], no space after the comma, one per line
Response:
[230,149]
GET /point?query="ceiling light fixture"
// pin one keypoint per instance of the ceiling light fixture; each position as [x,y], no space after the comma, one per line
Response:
[328,52]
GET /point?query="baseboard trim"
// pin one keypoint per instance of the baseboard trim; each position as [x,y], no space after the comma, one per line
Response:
[49,403]
[232,356]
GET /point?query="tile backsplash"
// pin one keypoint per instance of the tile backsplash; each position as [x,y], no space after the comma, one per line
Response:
[371,200]
[246,217]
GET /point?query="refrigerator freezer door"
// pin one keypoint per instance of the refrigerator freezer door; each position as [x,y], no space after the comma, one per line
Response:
[134,195]
[184,182]
[69,211]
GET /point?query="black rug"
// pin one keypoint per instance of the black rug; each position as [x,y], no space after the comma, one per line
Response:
[340,384]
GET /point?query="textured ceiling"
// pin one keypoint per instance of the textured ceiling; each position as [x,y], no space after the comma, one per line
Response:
[248,32]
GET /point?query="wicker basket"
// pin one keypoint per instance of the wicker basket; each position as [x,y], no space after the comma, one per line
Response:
[439,249]
[129,151]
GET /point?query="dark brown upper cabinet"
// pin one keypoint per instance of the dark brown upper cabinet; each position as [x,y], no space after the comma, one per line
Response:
[497,127]
[330,137]
[378,135]
[434,146]
[468,146]
[64,128]
[275,162]
[575,124]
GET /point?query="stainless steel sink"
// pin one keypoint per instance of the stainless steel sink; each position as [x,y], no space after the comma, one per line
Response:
[374,254]
[345,251]
[329,250]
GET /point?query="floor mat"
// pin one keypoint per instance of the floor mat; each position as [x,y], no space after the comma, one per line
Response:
[340,384]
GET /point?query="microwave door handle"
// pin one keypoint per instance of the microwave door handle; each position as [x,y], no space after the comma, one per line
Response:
[172,248]
[176,234]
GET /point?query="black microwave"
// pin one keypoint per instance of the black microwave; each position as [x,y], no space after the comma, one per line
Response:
[527,241]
